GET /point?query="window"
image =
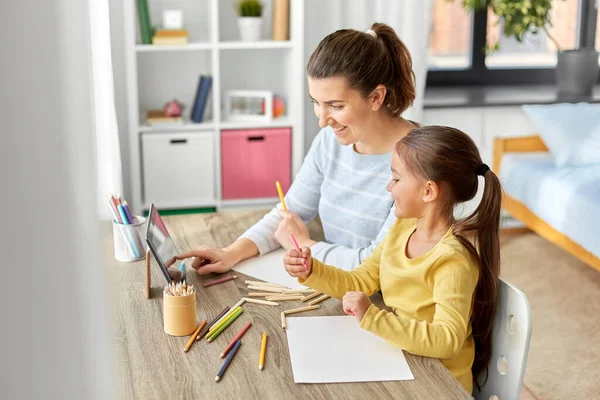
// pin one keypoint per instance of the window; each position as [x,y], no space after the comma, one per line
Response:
[458,39]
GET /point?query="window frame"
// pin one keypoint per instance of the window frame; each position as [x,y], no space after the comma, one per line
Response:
[479,74]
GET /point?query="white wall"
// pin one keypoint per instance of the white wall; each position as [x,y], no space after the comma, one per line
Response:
[54,335]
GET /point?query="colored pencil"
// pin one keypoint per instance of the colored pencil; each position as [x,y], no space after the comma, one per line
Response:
[301,309]
[298,249]
[228,313]
[194,336]
[228,360]
[320,299]
[228,322]
[263,348]
[208,326]
[280,195]
[236,338]
[220,280]
[265,302]
[311,296]
[283,325]
[222,322]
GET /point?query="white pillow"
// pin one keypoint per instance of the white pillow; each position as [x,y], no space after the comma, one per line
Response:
[570,131]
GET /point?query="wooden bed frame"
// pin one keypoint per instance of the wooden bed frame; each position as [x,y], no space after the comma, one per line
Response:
[523,214]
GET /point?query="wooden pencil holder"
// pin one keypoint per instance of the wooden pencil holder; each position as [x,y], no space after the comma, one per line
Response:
[179,314]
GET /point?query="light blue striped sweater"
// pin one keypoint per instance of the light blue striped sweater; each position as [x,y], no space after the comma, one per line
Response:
[348,192]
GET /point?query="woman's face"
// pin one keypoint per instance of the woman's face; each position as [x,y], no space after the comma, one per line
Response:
[342,108]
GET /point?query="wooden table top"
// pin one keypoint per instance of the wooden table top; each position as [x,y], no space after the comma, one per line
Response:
[152,364]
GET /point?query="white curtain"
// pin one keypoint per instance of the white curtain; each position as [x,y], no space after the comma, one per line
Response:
[108,154]
[411,19]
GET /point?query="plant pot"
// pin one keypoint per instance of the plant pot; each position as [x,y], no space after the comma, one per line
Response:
[250,28]
[577,72]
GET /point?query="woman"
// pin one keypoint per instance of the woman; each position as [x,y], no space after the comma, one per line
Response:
[360,84]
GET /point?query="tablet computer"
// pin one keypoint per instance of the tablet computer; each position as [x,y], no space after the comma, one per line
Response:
[162,247]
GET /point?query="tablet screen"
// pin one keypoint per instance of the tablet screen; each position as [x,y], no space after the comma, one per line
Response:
[162,246]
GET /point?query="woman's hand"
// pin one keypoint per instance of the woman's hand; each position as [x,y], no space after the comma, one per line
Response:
[207,260]
[356,303]
[294,263]
[292,224]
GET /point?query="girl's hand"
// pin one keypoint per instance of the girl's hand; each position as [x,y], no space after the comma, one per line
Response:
[294,263]
[356,303]
[292,224]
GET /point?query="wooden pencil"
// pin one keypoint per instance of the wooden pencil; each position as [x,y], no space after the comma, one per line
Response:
[228,322]
[283,298]
[320,299]
[301,309]
[260,283]
[228,313]
[265,302]
[208,326]
[228,360]
[220,280]
[222,322]
[311,296]
[255,294]
[194,336]
[236,338]
[290,291]
[272,289]
[283,325]
[263,349]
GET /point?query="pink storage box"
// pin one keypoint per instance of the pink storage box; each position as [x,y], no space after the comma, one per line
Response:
[253,159]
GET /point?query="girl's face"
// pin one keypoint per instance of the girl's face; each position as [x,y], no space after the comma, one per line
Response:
[407,190]
[342,108]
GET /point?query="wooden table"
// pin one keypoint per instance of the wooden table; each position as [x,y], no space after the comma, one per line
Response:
[152,365]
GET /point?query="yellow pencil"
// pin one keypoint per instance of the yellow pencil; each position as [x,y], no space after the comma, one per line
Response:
[220,324]
[263,348]
[280,195]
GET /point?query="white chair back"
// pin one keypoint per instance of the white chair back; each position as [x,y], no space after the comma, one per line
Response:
[510,346]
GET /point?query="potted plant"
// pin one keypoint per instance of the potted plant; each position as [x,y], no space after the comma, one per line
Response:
[250,19]
[576,70]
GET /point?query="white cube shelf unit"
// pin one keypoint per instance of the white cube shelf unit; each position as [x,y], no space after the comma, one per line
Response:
[157,74]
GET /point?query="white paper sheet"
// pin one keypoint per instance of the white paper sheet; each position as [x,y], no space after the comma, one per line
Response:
[269,268]
[336,349]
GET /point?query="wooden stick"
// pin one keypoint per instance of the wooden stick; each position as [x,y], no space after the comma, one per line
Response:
[298,291]
[260,283]
[311,296]
[254,294]
[148,273]
[257,301]
[283,325]
[283,298]
[194,336]
[320,299]
[220,280]
[266,289]
[301,309]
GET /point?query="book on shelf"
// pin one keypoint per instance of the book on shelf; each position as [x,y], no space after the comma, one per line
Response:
[200,100]
[158,117]
[144,20]
[171,32]
[169,40]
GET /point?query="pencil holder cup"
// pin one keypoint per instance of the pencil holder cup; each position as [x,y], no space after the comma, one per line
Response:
[179,314]
[128,240]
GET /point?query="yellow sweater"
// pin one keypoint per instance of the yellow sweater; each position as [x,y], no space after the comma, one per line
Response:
[431,295]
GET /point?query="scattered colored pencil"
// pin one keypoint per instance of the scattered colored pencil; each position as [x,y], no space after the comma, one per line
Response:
[236,338]
[228,313]
[263,348]
[208,326]
[220,280]
[228,322]
[228,360]
[194,336]
[222,322]
[298,249]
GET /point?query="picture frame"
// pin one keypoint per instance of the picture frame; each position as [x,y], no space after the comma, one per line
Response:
[249,105]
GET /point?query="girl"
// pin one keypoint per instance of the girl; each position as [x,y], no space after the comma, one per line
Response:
[360,84]
[442,288]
